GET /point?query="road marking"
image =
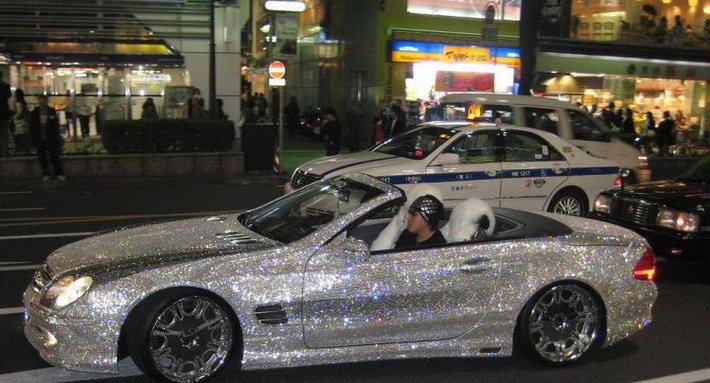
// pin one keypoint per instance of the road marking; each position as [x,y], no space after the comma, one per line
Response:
[9,222]
[19,267]
[686,377]
[21,209]
[17,192]
[48,235]
[12,310]
[126,368]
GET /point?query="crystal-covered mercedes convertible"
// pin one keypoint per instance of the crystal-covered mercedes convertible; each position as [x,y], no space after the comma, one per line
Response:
[298,281]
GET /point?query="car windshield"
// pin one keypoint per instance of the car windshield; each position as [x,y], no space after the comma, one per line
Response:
[698,171]
[306,210]
[418,143]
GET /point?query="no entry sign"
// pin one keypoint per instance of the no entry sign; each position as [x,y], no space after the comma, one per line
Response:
[277,70]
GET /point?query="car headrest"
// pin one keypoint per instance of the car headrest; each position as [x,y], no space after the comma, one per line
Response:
[469,220]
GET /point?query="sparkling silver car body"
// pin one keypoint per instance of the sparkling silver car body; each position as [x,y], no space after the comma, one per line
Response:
[333,308]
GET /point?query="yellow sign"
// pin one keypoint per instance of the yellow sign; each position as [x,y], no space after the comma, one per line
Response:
[466,54]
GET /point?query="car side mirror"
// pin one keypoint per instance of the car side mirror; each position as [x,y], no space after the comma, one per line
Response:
[446,159]
[353,250]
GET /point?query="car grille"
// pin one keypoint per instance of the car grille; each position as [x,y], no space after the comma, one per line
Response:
[42,277]
[634,211]
[301,179]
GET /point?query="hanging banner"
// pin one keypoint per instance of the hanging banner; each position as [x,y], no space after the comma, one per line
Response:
[464,82]
[286,33]
[420,51]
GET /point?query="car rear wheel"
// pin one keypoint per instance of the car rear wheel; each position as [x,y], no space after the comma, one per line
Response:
[560,325]
[185,336]
[569,203]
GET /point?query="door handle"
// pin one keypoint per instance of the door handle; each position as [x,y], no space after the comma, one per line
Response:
[492,173]
[475,266]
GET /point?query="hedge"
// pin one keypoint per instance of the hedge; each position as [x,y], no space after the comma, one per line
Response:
[167,135]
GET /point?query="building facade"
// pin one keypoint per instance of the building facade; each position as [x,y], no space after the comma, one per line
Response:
[650,56]
[374,52]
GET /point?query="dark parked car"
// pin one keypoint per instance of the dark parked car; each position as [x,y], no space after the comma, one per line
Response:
[673,215]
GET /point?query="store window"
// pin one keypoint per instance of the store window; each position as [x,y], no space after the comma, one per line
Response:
[475,148]
[543,119]
[583,128]
[504,9]
[525,147]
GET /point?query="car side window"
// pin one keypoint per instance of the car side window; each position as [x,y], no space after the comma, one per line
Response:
[491,113]
[583,128]
[543,119]
[475,148]
[525,146]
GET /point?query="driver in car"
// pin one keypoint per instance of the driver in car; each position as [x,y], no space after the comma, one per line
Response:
[423,224]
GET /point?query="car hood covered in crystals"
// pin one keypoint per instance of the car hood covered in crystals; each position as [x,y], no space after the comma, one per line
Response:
[159,243]
[352,162]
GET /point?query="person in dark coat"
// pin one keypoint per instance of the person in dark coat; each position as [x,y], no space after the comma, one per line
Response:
[292,115]
[398,121]
[44,130]
[664,133]
[149,110]
[353,121]
[608,115]
[5,115]
[332,133]
[627,125]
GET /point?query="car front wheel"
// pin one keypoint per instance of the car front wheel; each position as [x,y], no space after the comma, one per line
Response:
[561,325]
[185,336]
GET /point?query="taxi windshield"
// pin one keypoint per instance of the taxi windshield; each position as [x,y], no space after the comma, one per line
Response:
[304,211]
[418,143]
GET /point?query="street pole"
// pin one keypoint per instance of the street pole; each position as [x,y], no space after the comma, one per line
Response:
[281,129]
[213,59]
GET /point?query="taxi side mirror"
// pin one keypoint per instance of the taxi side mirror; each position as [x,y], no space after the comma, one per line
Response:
[446,159]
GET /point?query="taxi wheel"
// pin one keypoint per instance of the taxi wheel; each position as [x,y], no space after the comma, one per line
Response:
[569,202]
[185,335]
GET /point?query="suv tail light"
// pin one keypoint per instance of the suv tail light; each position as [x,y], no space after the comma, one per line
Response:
[645,269]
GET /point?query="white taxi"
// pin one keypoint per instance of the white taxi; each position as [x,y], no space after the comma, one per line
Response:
[504,165]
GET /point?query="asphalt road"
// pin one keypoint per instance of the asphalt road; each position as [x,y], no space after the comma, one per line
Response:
[36,218]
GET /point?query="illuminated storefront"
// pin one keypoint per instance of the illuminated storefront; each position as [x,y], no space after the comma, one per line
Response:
[441,68]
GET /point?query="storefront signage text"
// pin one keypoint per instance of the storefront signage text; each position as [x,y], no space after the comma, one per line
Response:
[418,51]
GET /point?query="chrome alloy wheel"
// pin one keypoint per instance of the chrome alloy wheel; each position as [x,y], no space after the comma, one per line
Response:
[568,205]
[190,340]
[563,323]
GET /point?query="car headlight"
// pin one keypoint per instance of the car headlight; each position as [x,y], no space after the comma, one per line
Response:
[68,289]
[677,220]
[602,204]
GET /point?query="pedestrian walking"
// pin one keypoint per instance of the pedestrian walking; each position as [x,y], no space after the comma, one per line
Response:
[150,112]
[332,133]
[353,121]
[44,129]
[664,133]
[292,115]
[85,109]
[262,105]
[378,133]
[608,115]
[21,123]
[5,115]
[398,123]
[627,124]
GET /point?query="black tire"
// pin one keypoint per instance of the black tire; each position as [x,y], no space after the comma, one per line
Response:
[196,306]
[539,330]
[569,202]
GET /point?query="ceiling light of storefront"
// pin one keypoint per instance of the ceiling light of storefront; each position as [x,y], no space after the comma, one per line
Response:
[285,6]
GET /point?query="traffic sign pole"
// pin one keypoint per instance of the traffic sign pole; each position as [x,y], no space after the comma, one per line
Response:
[277,71]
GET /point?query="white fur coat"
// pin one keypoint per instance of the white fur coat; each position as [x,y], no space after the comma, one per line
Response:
[465,220]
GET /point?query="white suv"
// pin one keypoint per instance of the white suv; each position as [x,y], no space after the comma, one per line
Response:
[554,116]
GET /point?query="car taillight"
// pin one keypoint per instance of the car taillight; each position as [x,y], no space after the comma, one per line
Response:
[618,181]
[645,269]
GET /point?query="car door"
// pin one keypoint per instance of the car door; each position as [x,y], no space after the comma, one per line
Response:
[396,296]
[532,169]
[477,173]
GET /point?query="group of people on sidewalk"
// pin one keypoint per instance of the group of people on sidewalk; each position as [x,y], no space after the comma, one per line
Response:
[38,128]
